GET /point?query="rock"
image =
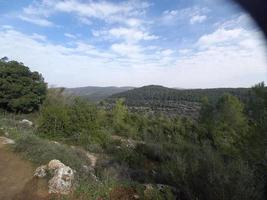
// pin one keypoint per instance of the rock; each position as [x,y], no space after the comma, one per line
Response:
[4,140]
[62,181]
[63,177]
[26,122]
[92,158]
[54,164]
[41,171]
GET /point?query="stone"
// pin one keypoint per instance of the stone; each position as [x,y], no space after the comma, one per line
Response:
[41,171]
[62,181]
[54,164]
[5,140]
[26,122]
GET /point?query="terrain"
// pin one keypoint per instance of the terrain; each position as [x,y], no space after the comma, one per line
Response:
[158,99]
[94,93]
[117,153]
[17,182]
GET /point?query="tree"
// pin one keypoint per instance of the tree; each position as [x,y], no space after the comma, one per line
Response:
[20,89]
[231,125]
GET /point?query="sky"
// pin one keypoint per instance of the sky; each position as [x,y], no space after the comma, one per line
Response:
[175,43]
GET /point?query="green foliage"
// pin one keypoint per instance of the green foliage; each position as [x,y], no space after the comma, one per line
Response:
[72,120]
[201,173]
[221,155]
[224,124]
[20,89]
[147,94]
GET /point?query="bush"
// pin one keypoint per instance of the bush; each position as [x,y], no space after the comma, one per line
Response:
[202,173]
[71,120]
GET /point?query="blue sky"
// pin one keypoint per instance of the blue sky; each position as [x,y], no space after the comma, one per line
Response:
[176,43]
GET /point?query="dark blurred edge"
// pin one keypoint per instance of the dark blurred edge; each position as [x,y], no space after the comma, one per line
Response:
[258,10]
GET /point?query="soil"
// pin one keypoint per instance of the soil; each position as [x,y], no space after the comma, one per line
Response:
[16,178]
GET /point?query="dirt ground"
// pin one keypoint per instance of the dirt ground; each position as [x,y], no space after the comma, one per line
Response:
[16,178]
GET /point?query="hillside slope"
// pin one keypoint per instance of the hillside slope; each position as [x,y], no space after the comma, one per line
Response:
[185,102]
[94,93]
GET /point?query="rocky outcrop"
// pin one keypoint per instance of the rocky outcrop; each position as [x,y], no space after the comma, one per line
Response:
[62,177]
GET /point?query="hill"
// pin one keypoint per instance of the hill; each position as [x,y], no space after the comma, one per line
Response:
[185,102]
[94,93]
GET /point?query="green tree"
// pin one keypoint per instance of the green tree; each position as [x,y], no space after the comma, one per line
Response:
[20,89]
[230,123]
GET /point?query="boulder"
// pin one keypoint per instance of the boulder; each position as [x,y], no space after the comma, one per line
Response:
[63,177]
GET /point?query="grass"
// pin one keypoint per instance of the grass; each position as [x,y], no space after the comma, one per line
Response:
[41,151]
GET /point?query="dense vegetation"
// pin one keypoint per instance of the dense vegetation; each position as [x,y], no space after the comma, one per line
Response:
[20,89]
[160,93]
[220,155]
[171,102]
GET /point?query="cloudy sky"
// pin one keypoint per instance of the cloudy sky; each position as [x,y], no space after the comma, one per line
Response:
[176,43]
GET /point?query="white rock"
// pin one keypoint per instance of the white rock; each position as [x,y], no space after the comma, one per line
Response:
[55,164]
[62,181]
[26,122]
[4,140]
[41,171]
[63,176]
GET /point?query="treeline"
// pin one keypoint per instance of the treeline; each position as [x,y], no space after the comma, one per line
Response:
[153,93]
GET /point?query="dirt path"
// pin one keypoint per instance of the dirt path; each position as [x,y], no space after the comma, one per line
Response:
[16,178]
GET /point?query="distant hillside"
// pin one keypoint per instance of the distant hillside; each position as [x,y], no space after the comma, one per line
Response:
[185,102]
[95,93]
[155,92]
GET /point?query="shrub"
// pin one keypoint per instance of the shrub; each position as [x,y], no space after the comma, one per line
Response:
[72,120]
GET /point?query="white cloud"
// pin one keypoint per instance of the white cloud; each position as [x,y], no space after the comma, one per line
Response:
[228,56]
[127,12]
[125,34]
[169,15]
[69,35]
[198,19]
[37,20]
[7,27]
[36,36]
[131,35]
[167,52]
[128,50]
[193,14]
[222,36]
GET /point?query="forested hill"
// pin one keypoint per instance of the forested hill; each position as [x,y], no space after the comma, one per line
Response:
[160,93]
[94,93]
[170,101]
